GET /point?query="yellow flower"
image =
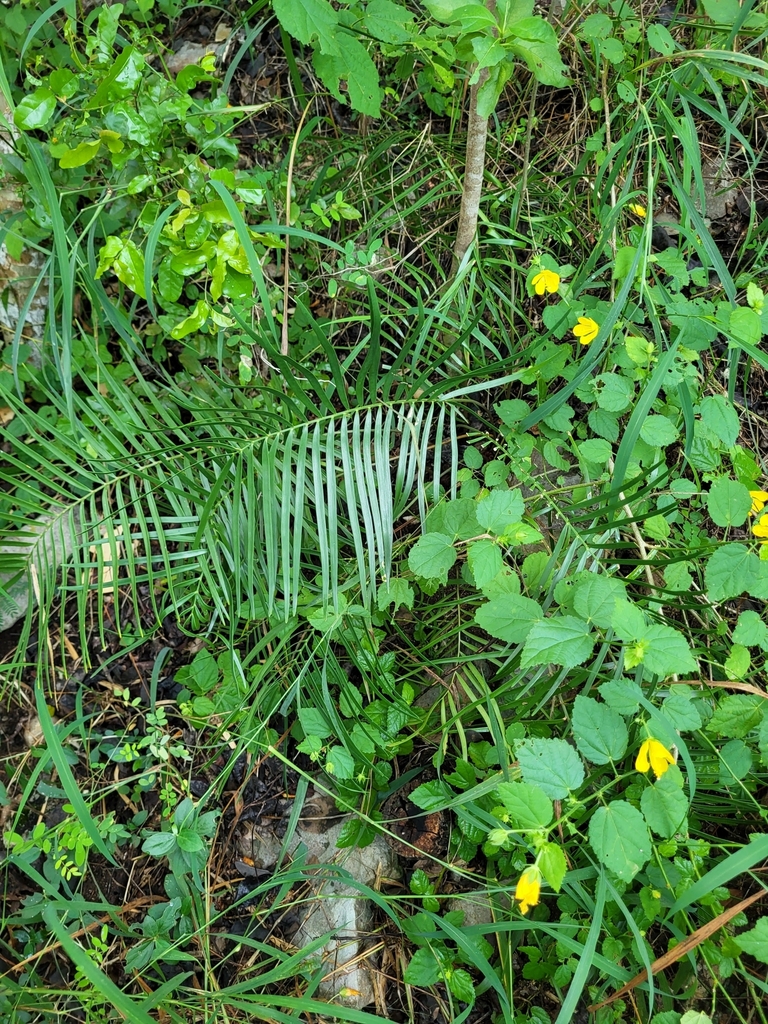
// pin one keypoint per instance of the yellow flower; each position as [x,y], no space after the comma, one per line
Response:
[638,210]
[528,889]
[760,528]
[586,330]
[546,281]
[759,499]
[654,755]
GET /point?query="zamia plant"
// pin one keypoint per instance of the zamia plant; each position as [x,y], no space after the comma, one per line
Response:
[224,507]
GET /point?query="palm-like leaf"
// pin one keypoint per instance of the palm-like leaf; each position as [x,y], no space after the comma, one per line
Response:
[230,513]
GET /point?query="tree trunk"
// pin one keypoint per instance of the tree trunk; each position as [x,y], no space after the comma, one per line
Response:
[477,133]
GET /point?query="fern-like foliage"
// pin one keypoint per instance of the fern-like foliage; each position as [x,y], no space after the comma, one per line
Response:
[216,506]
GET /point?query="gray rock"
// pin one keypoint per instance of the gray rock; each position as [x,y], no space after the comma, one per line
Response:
[339,906]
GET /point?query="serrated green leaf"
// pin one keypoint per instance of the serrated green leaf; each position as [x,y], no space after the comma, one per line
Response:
[485,561]
[599,732]
[658,431]
[666,652]
[350,62]
[432,556]
[620,839]
[560,640]
[660,39]
[681,712]
[623,695]
[595,596]
[751,631]
[398,593]
[728,502]
[508,617]
[755,941]
[730,571]
[553,865]
[721,418]
[735,762]
[500,509]
[340,763]
[311,21]
[551,764]
[389,22]
[423,970]
[527,805]
[736,715]
[664,804]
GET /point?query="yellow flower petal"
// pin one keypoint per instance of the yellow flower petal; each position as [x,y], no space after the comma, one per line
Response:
[760,528]
[546,281]
[759,499]
[653,754]
[586,330]
[638,210]
[528,889]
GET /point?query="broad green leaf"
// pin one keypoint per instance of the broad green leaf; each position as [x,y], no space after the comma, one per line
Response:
[488,51]
[528,806]
[80,155]
[597,450]
[552,765]
[397,592]
[508,617]
[600,733]
[500,509]
[735,762]
[423,970]
[432,556]
[623,695]
[35,110]
[664,804]
[553,865]
[721,418]
[310,21]
[350,62]
[677,576]
[728,502]
[461,985]
[615,393]
[666,652]
[619,836]
[485,561]
[736,715]
[755,941]
[595,27]
[595,596]
[128,266]
[196,319]
[660,39]
[340,763]
[456,519]
[561,640]
[738,662]
[730,571]
[314,723]
[389,22]
[682,712]
[535,41]
[658,431]
[745,325]
[751,631]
